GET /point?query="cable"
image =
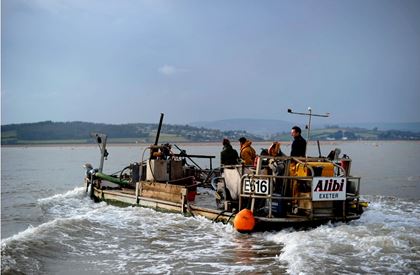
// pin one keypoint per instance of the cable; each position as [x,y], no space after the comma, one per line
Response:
[233,213]
[215,219]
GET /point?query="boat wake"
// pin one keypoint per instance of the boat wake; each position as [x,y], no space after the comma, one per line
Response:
[385,240]
[63,212]
[72,203]
[85,237]
[78,192]
[95,237]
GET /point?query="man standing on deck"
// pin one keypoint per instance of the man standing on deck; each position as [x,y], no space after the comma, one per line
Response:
[299,143]
[228,156]
[248,154]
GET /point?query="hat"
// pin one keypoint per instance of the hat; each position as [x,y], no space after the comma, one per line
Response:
[226,141]
[274,149]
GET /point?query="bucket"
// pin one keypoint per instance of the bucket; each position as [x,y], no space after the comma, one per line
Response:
[278,207]
[191,195]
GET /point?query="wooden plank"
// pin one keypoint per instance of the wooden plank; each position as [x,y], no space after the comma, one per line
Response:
[128,191]
[161,195]
[194,156]
[161,187]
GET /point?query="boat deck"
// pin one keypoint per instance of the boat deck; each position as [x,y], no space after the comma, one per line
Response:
[205,205]
[205,197]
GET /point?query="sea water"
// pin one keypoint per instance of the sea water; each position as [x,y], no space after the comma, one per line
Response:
[50,226]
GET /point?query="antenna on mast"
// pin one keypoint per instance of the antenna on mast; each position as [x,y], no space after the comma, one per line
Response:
[308,126]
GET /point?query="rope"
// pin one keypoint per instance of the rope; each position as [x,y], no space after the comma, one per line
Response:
[215,219]
[233,213]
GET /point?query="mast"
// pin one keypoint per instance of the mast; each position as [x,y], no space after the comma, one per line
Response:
[155,147]
[308,126]
[158,130]
[101,141]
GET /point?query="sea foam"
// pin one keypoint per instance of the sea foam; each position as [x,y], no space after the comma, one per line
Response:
[384,240]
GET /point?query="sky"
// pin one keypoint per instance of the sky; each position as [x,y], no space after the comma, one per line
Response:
[127,61]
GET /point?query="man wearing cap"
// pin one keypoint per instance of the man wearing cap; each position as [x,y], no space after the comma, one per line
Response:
[248,154]
[228,156]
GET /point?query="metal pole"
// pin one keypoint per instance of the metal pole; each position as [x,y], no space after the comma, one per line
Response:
[309,132]
[319,148]
[159,128]
[310,114]
[103,150]
[186,155]
[154,148]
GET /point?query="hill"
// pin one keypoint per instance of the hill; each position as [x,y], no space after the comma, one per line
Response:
[79,132]
[261,127]
[268,127]
[386,126]
[48,132]
[347,133]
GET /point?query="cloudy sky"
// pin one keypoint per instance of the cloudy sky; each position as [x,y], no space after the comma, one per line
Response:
[121,61]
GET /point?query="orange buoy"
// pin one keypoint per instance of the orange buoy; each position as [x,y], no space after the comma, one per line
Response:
[244,221]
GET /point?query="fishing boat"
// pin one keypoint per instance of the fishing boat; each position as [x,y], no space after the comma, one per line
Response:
[274,193]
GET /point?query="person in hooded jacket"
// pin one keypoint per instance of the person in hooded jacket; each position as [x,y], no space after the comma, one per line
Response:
[228,156]
[274,150]
[247,153]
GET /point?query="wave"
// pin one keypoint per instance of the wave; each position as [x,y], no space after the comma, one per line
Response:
[385,240]
[72,203]
[62,214]
[19,251]
[77,192]
[93,232]
[111,232]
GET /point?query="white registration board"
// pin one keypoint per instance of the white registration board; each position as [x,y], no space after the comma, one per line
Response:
[329,189]
[256,186]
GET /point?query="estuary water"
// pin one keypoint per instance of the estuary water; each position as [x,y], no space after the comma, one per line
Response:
[50,226]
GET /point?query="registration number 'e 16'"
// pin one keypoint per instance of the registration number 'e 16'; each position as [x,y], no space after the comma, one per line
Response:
[257,186]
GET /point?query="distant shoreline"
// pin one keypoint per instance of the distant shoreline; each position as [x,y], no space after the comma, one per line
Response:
[48,133]
[286,143]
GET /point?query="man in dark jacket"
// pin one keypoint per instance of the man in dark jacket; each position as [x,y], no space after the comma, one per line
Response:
[299,143]
[228,156]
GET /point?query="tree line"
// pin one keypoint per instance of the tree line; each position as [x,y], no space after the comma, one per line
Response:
[77,131]
[144,132]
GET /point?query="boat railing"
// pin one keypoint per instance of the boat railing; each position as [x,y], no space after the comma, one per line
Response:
[253,188]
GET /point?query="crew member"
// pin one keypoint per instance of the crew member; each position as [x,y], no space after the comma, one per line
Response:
[228,156]
[248,154]
[299,143]
[274,150]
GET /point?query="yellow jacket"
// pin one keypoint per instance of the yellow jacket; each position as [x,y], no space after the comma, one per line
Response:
[248,153]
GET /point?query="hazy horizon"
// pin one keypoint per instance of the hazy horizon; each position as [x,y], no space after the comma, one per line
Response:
[128,61]
[303,120]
